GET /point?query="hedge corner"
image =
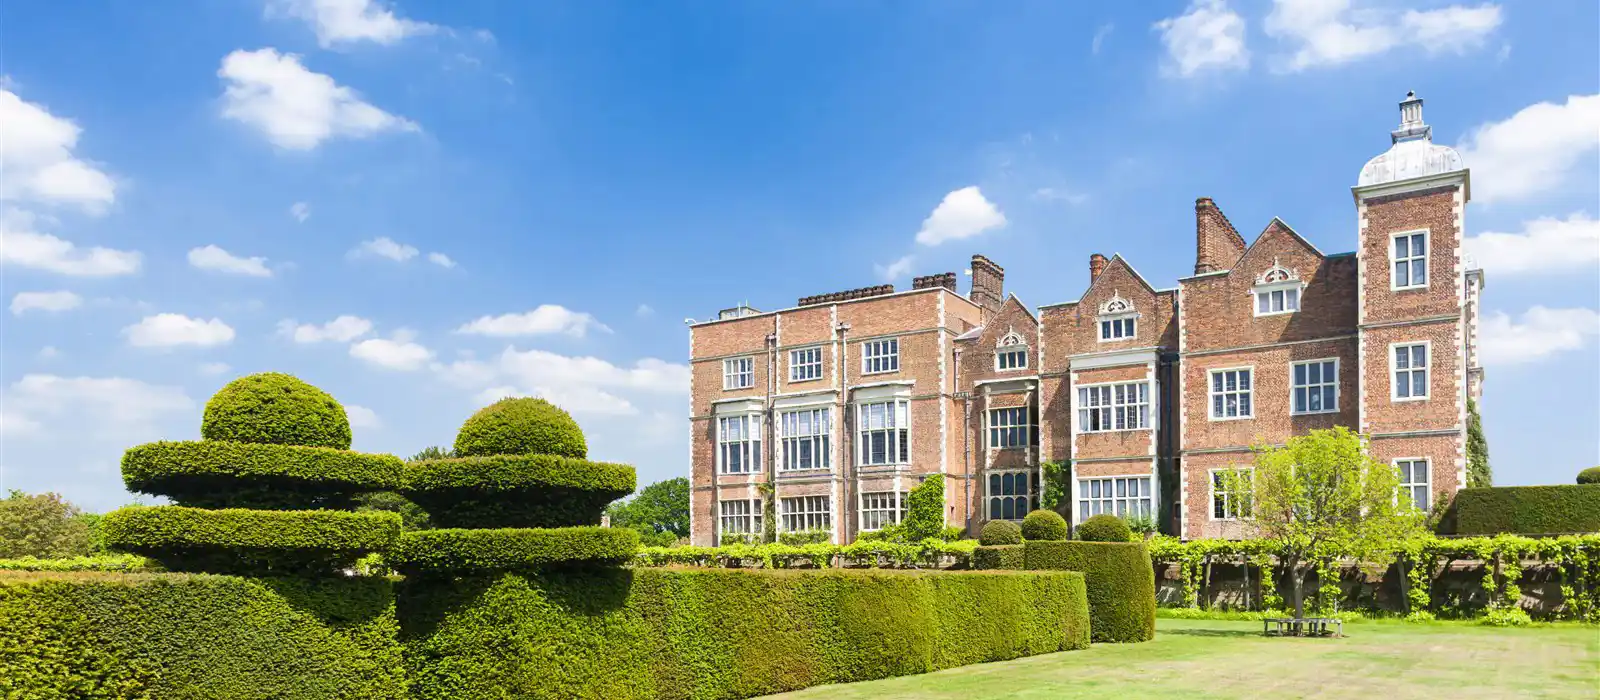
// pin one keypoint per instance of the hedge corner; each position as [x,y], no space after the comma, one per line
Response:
[1120,580]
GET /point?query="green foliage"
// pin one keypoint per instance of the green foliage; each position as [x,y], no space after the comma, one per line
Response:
[1104,528]
[97,562]
[412,516]
[220,474]
[42,525]
[999,556]
[432,452]
[1530,510]
[805,537]
[277,409]
[521,426]
[999,532]
[460,550]
[654,538]
[873,554]
[92,635]
[515,490]
[1589,476]
[925,509]
[662,507]
[1045,525]
[1141,525]
[1120,579]
[249,541]
[713,634]
[1057,484]
[1479,473]
[1506,617]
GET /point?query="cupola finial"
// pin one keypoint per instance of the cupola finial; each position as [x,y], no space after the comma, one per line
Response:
[1411,124]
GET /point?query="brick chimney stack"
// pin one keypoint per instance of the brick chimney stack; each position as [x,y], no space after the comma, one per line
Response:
[1097,265]
[988,285]
[943,279]
[1217,244]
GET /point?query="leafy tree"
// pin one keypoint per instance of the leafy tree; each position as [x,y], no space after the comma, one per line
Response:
[925,509]
[1057,485]
[1479,474]
[43,525]
[659,507]
[1322,494]
[412,516]
[433,452]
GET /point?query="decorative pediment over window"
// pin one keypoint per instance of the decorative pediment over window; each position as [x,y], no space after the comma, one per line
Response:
[1011,338]
[1116,305]
[1277,274]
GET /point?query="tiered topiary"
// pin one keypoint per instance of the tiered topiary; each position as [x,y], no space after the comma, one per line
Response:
[518,496]
[266,491]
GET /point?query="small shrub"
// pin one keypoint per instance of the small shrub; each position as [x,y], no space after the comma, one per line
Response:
[1000,532]
[1511,616]
[1142,525]
[1104,528]
[276,409]
[925,509]
[521,426]
[1589,476]
[1045,525]
[1420,616]
[953,533]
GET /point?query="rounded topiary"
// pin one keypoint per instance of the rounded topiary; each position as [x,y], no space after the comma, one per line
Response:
[1000,532]
[1104,528]
[1589,476]
[1045,525]
[520,426]
[276,409]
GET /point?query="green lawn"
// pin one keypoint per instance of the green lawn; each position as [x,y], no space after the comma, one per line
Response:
[1207,659]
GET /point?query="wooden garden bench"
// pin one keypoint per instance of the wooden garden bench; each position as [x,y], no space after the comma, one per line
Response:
[1303,626]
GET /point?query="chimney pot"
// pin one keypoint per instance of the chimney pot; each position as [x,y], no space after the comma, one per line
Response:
[1097,265]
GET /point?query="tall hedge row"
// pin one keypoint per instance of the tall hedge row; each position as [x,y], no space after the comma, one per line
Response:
[1121,584]
[1530,510]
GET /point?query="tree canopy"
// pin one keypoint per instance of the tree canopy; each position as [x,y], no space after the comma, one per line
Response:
[660,511]
[43,525]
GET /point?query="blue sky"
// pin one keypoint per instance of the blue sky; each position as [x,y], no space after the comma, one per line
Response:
[419,206]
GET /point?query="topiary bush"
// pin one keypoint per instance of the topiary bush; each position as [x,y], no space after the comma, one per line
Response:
[217,474]
[925,509]
[1528,510]
[275,409]
[516,490]
[1104,528]
[998,532]
[1121,584]
[1589,476]
[999,556]
[521,426]
[1045,525]
[270,542]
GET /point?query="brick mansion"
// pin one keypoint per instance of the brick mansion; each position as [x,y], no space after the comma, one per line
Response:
[831,410]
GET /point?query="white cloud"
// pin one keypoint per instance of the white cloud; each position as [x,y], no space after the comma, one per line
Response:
[17,425]
[103,406]
[340,330]
[963,213]
[362,417]
[1100,36]
[1060,195]
[644,311]
[384,247]
[579,384]
[168,330]
[895,270]
[218,260]
[1208,36]
[1546,245]
[49,352]
[44,301]
[1330,32]
[441,260]
[21,245]
[212,369]
[546,319]
[40,166]
[397,353]
[293,107]
[349,21]
[1539,334]
[1535,150]
[300,211]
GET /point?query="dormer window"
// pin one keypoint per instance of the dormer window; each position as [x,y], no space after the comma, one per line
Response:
[1011,352]
[1277,291]
[1118,320]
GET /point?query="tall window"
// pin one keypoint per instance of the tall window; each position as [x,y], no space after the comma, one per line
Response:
[1013,494]
[1114,407]
[1413,482]
[805,364]
[1316,386]
[739,444]
[738,373]
[1121,496]
[739,517]
[1117,328]
[880,356]
[880,508]
[1231,497]
[1411,371]
[1410,260]
[1231,394]
[884,432]
[804,439]
[804,513]
[1010,427]
[1277,301]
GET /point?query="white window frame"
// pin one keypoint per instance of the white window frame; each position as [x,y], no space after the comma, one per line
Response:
[1232,512]
[751,518]
[1320,385]
[1394,261]
[802,369]
[1101,399]
[896,428]
[1011,422]
[1267,290]
[1109,328]
[1018,355]
[748,445]
[735,368]
[1426,370]
[808,514]
[880,356]
[792,441]
[1029,497]
[1409,487]
[1212,393]
[880,508]
[1107,501]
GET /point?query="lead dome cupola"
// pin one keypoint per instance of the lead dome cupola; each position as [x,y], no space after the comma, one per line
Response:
[1413,153]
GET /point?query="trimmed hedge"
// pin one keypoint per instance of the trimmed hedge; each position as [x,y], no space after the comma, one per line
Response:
[96,562]
[516,490]
[254,541]
[1589,476]
[1121,583]
[712,634]
[94,635]
[1045,525]
[277,409]
[520,426]
[222,474]
[999,556]
[460,550]
[998,532]
[1528,510]
[1104,528]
